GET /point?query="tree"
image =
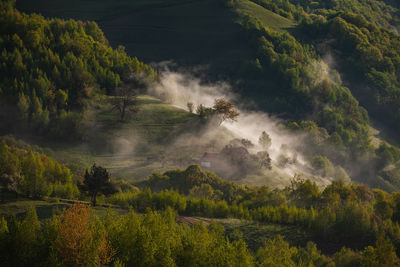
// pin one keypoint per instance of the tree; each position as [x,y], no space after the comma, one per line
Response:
[190,106]
[225,109]
[304,192]
[77,242]
[10,182]
[125,100]
[246,143]
[202,191]
[276,252]
[264,160]
[383,254]
[98,181]
[204,112]
[265,141]
[34,183]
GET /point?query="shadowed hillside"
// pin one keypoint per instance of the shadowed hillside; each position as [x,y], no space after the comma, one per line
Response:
[188,32]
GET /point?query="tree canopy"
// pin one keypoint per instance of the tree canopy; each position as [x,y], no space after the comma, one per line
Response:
[97,180]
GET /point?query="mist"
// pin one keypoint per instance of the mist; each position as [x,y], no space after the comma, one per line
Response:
[180,88]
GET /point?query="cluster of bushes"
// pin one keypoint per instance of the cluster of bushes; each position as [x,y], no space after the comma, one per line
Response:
[34,175]
[49,67]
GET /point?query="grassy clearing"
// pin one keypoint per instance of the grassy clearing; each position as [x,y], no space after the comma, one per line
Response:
[18,208]
[132,149]
[267,17]
[255,233]
[44,208]
[153,122]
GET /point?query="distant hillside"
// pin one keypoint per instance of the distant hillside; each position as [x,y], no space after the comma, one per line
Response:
[51,67]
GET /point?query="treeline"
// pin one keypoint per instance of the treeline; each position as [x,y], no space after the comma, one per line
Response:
[32,174]
[77,237]
[381,13]
[50,67]
[352,215]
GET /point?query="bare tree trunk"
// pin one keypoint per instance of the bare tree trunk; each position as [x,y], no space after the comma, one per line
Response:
[123,110]
[122,114]
[94,199]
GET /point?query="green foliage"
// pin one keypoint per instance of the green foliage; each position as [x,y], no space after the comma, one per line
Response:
[97,181]
[50,67]
[313,87]
[265,141]
[383,254]
[33,174]
[387,154]
[368,60]
[154,239]
[323,166]
[186,180]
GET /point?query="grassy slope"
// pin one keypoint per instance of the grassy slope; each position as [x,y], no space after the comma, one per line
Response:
[267,17]
[159,137]
[124,147]
[45,209]
[254,234]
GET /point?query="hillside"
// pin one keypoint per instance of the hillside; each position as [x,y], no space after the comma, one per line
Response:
[223,133]
[267,17]
[187,32]
[156,138]
[270,53]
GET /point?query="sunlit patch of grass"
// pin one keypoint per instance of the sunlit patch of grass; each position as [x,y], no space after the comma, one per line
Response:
[267,17]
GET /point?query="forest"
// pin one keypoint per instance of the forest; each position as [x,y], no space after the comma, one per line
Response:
[49,68]
[269,140]
[364,221]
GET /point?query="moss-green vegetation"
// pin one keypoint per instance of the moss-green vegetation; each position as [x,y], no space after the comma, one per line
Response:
[255,234]
[354,216]
[50,67]
[34,174]
[267,17]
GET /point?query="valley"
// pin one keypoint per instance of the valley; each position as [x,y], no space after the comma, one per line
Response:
[199,133]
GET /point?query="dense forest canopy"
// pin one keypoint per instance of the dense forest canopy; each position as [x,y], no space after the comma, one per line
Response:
[362,220]
[49,68]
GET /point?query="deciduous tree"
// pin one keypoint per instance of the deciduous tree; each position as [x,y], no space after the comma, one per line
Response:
[125,101]
[265,141]
[225,109]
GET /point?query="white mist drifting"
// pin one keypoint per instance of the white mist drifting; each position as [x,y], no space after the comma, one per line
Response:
[179,89]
